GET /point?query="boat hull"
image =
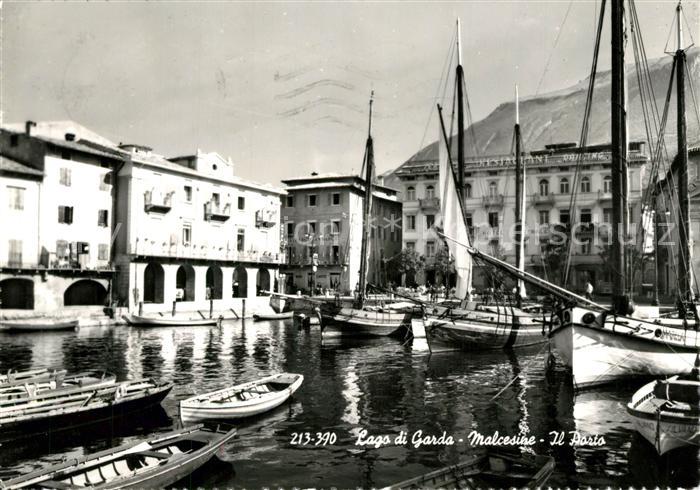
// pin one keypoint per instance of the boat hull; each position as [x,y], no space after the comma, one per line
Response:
[141,321]
[663,429]
[353,322]
[193,410]
[196,446]
[610,349]
[40,326]
[273,316]
[482,330]
[13,427]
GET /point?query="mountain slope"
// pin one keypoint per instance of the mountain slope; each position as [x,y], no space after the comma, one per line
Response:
[557,117]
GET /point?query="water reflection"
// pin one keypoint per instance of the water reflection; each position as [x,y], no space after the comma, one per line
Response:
[382,386]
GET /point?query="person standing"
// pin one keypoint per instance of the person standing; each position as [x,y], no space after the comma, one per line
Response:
[589,290]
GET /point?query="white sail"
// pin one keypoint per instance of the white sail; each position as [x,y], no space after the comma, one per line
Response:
[453,224]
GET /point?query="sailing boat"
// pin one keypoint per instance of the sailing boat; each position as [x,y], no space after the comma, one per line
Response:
[361,320]
[477,327]
[603,346]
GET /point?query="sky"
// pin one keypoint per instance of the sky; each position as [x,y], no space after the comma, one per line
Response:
[283,87]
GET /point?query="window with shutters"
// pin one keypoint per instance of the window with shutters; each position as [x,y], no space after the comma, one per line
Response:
[311,200]
[64,177]
[411,222]
[15,253]
[564,185]
[103,218]
[186,234]
[16,195]
[103,251]
[429,221]
[65,214]
[335,227]
[335,199]
[62,251]
[586,184]
[240,240]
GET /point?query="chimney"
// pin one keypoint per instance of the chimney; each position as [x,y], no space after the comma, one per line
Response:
[28,127]
[70,136]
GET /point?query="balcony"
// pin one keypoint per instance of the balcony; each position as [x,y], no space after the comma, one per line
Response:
[265,218]
[604,196]
[540,200]
[429,203]
[203,251]
[495,201]
[157,201]
[213,211]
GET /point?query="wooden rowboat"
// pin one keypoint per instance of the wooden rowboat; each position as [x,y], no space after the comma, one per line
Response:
[494,469]
[667,412]
[31,376]
[70,407]
[39,325]
[142,321]
[245,400]
[273,316]
[93,379]
[155,463]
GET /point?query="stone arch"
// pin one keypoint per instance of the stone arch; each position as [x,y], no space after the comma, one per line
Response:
[214,282]
[240,282]
[85,292]
[153,283]
[184,282]
[17,293]
[262,281]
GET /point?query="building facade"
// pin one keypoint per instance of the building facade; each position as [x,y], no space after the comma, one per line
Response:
[56,199]
[91,223]
[194,233]
[551,181]
[322,218]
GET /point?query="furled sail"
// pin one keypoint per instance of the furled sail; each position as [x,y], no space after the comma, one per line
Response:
[453,224]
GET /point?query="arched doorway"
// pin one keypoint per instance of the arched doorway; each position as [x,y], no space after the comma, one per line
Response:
[85,292]
[262,281]
[184,282]
[17,294]
[153,283]
[214,282]
[240,282]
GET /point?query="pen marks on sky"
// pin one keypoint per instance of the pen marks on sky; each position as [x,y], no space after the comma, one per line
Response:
[327,82]
[321,102]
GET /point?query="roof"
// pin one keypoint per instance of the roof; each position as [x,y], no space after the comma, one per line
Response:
[7,165]
[325,181]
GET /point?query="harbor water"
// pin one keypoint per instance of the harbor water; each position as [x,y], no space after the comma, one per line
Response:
[341,427]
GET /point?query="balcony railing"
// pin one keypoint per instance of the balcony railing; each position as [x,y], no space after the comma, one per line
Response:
[540,199]
[604,196]
[203,251]
[157,201]
[213,211]
[264,219]
[429,203]
[493,201]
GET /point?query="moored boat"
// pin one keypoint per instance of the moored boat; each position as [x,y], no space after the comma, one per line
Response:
[157,462]
[667,412]
[32,376]
[273,316]
[600,347]
[365,322]
[493,469]
[38,325]
[245,400]
[143,321]
[65,408]
[481,329]
[31,388]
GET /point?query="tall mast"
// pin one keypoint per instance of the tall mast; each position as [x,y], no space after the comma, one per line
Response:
[684,278]
[519,203]
[620,301]
[460,116]
[367,211]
